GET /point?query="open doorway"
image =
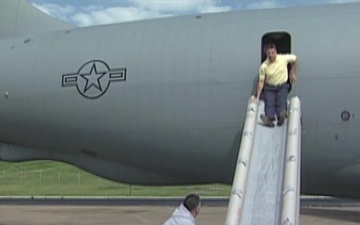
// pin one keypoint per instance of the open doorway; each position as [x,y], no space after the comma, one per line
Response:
[282,40]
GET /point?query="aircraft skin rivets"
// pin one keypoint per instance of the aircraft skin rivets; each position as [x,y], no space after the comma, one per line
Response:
[345,116]
[27,40]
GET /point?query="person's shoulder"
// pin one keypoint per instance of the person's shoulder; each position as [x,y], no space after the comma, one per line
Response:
[264,64]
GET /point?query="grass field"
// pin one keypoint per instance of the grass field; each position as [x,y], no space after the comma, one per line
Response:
[47,178]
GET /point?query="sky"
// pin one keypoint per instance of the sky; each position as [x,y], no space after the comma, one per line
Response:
[84,13]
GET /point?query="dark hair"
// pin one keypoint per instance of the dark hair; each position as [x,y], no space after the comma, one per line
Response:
[269,46]
[191,201]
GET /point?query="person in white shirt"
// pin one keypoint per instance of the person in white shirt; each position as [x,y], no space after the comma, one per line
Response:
[186,213]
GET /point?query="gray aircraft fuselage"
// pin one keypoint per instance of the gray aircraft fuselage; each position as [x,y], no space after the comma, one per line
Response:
[163,101]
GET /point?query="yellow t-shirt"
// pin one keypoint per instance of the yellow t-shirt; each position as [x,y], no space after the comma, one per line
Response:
[276,73]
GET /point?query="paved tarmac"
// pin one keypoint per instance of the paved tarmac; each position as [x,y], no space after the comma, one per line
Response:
[305,201]
[142,211]
[146,215]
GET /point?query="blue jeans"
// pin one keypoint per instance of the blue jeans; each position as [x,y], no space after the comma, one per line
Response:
[275,98]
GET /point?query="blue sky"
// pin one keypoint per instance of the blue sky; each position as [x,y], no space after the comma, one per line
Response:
[95,12]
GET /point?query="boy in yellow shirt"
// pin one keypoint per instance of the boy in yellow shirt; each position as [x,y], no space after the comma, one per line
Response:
[273,77]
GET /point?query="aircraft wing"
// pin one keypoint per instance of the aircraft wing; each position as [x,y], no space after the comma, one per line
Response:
[20,18]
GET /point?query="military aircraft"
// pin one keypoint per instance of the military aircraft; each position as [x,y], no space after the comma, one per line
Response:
[163,101]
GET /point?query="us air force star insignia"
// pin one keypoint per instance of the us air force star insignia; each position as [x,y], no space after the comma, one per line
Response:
[93,78]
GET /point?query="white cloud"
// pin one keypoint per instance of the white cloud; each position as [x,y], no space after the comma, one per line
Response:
[344,1]
[213,9]
[113,15]
[130,10]
[58,11]
[136,10]
[180,6]
[265,4]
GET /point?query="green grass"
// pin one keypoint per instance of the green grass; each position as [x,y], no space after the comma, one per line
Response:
[47,178]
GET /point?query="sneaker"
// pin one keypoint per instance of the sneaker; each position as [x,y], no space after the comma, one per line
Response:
[268,122]
[283,116]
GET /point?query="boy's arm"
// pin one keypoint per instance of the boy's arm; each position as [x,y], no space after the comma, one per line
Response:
[293,59]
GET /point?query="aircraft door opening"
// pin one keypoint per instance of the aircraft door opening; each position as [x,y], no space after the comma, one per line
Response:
[282,40]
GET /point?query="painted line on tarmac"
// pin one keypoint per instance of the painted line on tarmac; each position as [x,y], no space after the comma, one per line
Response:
[305,201]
